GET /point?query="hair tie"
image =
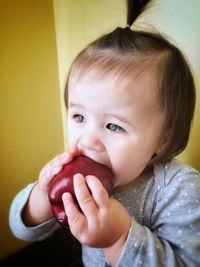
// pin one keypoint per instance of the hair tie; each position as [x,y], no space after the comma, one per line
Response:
[127,26]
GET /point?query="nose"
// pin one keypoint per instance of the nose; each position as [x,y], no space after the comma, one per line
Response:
[91,140]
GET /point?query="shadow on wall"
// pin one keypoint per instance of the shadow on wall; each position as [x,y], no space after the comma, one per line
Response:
[191,155]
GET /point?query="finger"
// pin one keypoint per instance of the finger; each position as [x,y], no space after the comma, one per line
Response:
[62,159]
[49,165]
[98,191]
[76,219]
[84,197]
[46,178]
[54,167]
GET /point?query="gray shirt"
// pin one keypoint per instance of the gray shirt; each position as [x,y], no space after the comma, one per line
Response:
[165,228]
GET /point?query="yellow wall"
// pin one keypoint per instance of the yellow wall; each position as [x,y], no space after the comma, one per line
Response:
[31,127]
[35,57]
[191,155]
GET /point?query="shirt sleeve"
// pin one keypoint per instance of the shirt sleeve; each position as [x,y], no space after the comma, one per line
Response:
[173,239]
[17,226]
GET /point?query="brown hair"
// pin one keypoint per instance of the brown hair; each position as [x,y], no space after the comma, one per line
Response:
[122,49]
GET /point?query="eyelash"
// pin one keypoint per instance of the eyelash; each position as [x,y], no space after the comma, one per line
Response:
[111,126]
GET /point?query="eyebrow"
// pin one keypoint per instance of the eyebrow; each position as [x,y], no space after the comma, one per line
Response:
[121,118]
[76,105]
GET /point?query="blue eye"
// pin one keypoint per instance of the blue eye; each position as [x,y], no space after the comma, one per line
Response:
[79,118]
[114,128]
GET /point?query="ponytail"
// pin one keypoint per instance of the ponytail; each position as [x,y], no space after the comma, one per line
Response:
[134,9]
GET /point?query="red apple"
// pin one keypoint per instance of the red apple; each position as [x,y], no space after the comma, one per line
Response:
[63,182]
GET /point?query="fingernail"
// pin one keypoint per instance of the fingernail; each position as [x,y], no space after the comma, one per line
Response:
[78,177]
[65,196]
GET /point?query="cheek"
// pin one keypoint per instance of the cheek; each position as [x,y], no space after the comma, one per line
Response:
[128,163]
[122,161]
[72,137]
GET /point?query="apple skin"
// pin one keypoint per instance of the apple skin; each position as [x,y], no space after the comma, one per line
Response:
[63,182]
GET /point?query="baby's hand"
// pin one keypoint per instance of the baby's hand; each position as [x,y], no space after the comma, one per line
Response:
[51,169]
[103,220]
[38,208]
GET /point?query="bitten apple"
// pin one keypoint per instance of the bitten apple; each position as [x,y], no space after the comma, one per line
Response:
[63,182]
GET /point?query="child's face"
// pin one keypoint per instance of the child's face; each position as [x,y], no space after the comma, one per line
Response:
[116,122]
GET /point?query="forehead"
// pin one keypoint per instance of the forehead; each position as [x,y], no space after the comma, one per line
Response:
[136,87]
